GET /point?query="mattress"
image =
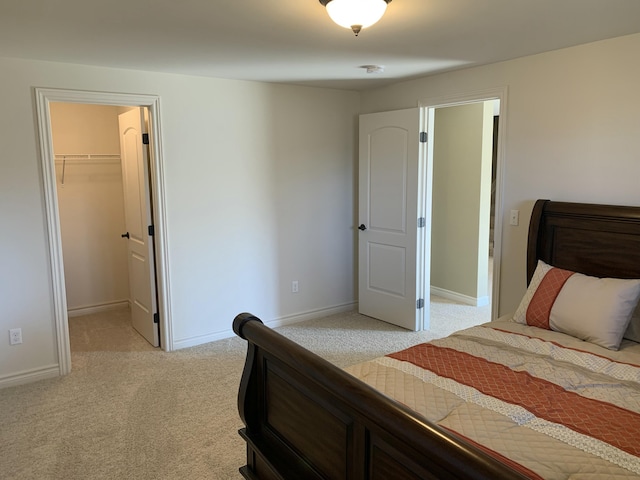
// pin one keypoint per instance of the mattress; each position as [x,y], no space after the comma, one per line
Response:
[551,405]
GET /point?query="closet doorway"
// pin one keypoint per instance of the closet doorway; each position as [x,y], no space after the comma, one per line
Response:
[87,189]
[104,204]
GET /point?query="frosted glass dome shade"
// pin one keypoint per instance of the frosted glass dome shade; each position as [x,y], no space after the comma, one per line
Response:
[356,14]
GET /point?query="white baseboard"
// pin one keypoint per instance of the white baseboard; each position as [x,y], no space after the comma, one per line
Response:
[310,315]
[29,376]
[102,307]
[458,297]
[278,322]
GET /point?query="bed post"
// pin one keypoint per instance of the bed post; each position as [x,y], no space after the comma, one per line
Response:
[247,392]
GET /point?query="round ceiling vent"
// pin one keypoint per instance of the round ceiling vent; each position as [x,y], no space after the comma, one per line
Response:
[373,68]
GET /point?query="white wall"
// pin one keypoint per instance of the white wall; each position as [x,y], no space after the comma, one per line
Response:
[572,132]
[259,192]
[90,204]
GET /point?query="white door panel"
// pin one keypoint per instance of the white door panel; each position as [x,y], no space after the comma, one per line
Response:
[135,168]
[388,207]
[387,269]
[134,184]
[388,179]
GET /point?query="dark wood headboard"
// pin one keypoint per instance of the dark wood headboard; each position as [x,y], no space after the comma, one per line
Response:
[596,240]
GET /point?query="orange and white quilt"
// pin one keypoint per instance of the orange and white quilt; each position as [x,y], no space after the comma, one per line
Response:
[553,405]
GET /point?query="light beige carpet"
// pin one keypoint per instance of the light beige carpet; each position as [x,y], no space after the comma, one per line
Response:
[129,411]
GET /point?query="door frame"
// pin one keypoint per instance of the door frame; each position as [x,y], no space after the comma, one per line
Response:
[428,107]
[44,96]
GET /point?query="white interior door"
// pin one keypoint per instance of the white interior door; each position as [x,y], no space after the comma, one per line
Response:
[390,242]
[137,201]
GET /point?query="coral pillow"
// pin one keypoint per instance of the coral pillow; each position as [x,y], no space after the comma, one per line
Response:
[597,310]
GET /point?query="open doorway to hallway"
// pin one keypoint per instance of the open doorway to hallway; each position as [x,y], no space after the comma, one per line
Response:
[465,140]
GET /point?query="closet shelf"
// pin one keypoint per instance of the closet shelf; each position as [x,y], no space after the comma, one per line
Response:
[86,158]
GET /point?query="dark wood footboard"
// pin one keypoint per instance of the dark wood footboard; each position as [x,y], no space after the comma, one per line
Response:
[308,419]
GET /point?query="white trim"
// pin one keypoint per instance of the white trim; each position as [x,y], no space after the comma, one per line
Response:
[28,376]
[53,232]
[423,238]
[98,308]
[459,297]
[311,314]
[499,93]
[466,97]
[426,119]
[278,322]
[160,225]
[43,98]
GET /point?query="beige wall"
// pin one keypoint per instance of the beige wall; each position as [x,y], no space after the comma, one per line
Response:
[90,204]
[85,129]
[259,192]
[571,132]
[260,180]
[461,200]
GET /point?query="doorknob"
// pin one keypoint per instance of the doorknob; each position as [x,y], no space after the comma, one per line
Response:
[362,227]
[125,235]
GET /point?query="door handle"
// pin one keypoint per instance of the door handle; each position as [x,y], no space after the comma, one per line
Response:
[362,227]
[125,235]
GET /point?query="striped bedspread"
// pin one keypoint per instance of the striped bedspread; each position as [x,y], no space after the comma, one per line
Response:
[552,405]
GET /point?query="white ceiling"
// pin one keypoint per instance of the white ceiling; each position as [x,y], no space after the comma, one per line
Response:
[294,41]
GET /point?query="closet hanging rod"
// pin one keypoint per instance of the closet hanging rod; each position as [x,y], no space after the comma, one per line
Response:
[87,156]
[84,159]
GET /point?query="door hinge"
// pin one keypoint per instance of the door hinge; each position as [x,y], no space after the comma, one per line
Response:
[156,318]
[421,222]
[145,139]
[420,303]
[423,137]
[152,231]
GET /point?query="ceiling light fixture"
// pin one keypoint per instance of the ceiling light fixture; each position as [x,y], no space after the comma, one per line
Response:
[355,14]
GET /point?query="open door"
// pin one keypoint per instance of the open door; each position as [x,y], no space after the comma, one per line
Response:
[391,237]
[139,224]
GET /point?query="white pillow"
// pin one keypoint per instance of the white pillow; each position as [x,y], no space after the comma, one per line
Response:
[597,310]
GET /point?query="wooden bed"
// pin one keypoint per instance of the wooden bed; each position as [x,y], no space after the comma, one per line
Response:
[308,419]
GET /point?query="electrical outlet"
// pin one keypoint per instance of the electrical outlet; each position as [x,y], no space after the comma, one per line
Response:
[514,219]
[15,336]
[294,286]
